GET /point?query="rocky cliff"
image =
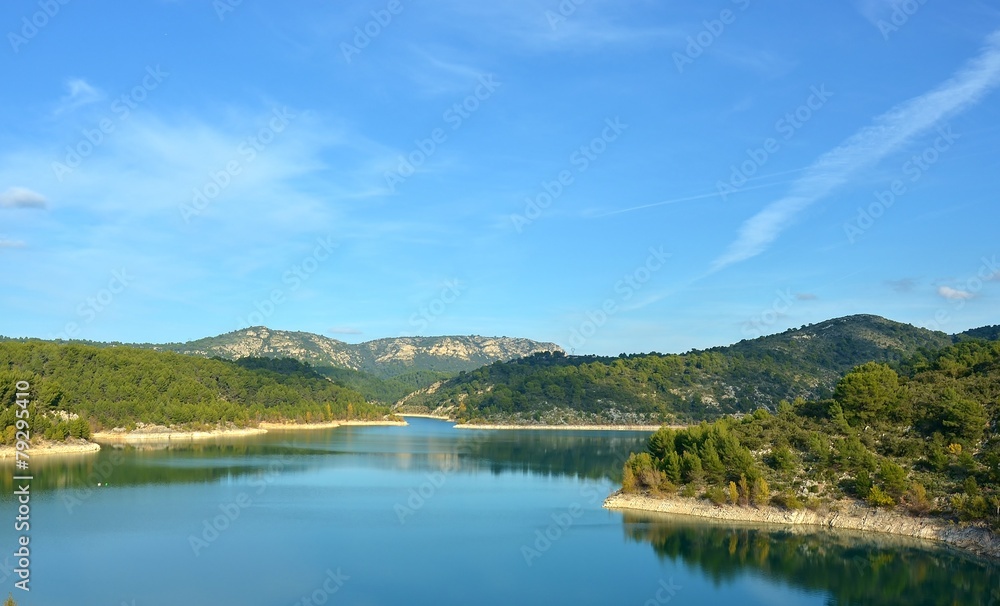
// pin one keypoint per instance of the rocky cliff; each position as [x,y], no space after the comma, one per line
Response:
[381,357]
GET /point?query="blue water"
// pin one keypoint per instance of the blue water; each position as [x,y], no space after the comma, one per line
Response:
[424,514]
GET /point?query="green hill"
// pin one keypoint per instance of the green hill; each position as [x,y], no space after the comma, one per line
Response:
[383,370]
[923,439]
[121,386]
[642,388]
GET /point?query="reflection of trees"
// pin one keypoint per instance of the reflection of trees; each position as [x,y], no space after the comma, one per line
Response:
[592,455]
[148,464]
[850,567]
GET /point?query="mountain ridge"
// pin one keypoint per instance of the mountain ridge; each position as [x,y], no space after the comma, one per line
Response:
[384,358]
[802,362]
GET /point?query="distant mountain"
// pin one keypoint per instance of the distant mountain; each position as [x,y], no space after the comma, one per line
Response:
[382,358]
[804,362]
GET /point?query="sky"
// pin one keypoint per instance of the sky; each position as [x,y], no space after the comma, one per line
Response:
[613,176]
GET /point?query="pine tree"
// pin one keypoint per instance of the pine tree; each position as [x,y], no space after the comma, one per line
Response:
[712,464]
[672,467]
[691,468]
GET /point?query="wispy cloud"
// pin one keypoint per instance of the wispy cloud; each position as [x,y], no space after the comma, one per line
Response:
[79,93]
[888,133]
[436,76]
[954,294]
[714,194]
[5,243]
[805,296]
[22,197]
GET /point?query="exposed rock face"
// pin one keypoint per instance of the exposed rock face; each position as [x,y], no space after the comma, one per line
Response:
[853,515]
[382,357]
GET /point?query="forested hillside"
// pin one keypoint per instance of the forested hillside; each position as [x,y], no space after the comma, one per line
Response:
[924,439]
[121,386]
[639,388]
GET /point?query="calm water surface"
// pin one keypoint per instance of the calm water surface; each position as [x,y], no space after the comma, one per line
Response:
[426,514]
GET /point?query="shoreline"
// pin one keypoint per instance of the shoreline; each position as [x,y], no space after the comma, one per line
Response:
[424,416]
[270,426]
[854,516]
[160,435]
[566,427]
[53,448]
[169,435]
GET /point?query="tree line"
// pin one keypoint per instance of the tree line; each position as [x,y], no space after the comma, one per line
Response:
[922,438]
[77,389]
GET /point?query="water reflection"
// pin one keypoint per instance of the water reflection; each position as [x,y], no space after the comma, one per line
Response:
[424,445]
[850,567]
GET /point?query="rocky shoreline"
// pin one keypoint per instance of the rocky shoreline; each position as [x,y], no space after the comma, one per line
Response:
[160,434]
[852,515]
[53,448]
[165,434]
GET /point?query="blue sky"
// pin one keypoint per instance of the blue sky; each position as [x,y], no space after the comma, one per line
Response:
[611,176]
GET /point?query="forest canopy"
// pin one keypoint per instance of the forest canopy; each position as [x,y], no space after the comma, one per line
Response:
[923,439]
[77,388]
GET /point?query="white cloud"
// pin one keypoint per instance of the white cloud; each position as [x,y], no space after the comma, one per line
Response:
[953,294]
[22,197]
[888,133]
[79,93]
[5,243]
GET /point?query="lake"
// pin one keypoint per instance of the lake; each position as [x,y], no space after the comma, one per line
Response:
[426,514]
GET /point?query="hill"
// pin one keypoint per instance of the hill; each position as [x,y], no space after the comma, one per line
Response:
[383,370]
[77,388]
[382,358]
[642,388]
[922,440]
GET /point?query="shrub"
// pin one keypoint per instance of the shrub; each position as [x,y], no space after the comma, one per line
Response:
[759,492]
[862,484]
[787,501]
[629,482]
[893,477]
[879,498]
[716,495]
[916,499]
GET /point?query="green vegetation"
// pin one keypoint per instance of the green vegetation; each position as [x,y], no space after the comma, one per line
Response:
[699,385]
[385,390]
[922,439]
[78,388]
